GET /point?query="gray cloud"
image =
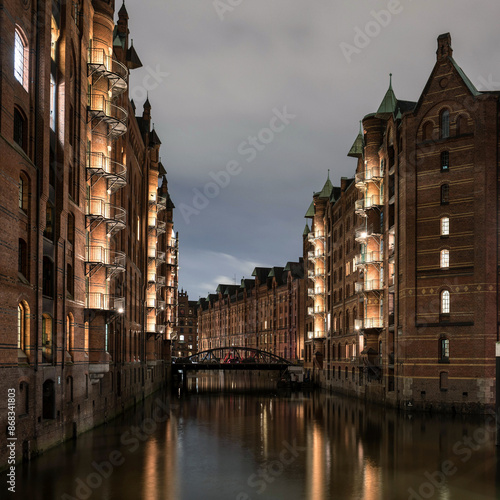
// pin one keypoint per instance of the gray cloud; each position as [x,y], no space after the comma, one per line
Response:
[226,77]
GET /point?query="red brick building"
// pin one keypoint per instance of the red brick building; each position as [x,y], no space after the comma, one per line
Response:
[89,253]
[414,234]
[264,313]
[185,338]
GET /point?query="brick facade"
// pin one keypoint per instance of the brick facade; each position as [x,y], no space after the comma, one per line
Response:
[88,269]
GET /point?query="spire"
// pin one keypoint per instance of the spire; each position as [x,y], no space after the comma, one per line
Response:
[310,211]
[356,150]
[122,13]
[306,231]
[327,188]
[389,103]
[133,61]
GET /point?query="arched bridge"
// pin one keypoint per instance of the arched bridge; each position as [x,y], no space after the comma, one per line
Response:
[232,358]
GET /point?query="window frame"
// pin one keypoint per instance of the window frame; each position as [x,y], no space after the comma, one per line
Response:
[445,302]
[21,58]
[444,124]
[444,258]
[444,226]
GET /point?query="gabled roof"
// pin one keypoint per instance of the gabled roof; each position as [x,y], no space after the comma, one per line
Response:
[261,273]
[277,273]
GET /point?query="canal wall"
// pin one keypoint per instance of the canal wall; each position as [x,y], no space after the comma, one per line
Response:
[407,395]
[77,408]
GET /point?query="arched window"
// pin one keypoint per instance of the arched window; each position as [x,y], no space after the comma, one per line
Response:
[445,226]
[445,258]
[427,130]
[444,349]
[347,321]
[49,400]
[21,54]
[70,280]
[445,124]
[47,338]
[48,277]
[22,325]
[20,129]
[445,161]
[23,258]
[49,222]
[71,228]
[70,333]
[445,302]
[445,194]
[23,193]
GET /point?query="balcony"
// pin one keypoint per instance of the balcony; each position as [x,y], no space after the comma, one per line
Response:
[369,175]
[102,64]
[373,285]
[160,281]
[102,109]
[99,211]
[103,166]
[362,233]
[310,335]
[160,306]
[310,273]
[373,323]
[99,256]
[105,302]
[358,324]
[161,227]
[315,235]
[311,292]
[160,258]
[373,257]
[152,253]
[161,203]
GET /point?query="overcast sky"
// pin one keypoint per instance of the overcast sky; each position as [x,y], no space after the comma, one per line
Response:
[266,96]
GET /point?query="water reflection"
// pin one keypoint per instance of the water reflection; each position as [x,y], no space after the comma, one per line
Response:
[271,446]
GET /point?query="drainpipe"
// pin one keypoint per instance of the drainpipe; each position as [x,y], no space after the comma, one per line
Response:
[35,22]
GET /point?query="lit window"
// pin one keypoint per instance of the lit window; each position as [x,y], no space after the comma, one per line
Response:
[445,226]
[445,302]
[86,338]
[21,326]
[20,58]
[53,89]
[181,338]
[445,124]
[444,349]
[445,258]
[445,161]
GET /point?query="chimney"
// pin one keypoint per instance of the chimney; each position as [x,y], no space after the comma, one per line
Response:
[444,47]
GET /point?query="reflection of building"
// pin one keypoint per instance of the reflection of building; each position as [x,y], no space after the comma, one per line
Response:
[265,313]
[83,221]
[403,255]
[185,341]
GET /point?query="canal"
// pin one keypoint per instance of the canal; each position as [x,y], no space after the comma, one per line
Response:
[206,443]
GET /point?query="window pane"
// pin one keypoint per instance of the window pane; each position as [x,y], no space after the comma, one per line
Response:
[18,58]
[445,124]
[445,226]
[445,258]
[445,302]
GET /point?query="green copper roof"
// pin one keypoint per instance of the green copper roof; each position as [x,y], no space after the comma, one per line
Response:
[310,210]
[389,102]
[306,231]
[356,150]
[327,188]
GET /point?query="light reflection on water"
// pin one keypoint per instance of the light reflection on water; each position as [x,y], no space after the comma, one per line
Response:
[271,446]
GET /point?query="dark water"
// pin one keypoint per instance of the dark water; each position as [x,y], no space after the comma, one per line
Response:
[270,446]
